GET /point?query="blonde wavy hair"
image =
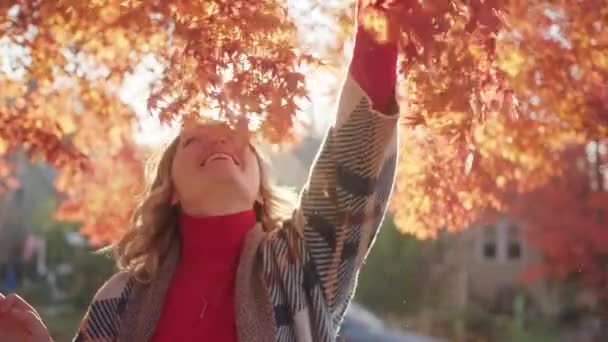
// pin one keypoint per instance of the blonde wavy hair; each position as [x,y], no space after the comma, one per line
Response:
[154,224]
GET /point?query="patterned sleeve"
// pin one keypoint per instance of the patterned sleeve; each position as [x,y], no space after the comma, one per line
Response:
[347,193]
[101,321]
[348,189]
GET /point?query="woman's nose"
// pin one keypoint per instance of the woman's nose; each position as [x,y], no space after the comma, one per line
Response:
[222,141]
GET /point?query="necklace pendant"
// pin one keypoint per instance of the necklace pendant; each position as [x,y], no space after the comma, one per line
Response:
[204,309]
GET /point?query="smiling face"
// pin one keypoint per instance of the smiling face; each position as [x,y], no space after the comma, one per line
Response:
[215,170]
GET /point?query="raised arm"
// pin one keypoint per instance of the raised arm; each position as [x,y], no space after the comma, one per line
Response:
[350,182]
[346,196]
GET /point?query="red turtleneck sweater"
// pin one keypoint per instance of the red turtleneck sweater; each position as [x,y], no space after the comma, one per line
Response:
[199,305]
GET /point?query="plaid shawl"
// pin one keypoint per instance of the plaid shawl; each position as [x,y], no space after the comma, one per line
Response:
[280,297]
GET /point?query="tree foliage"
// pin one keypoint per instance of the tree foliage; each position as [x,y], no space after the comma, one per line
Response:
[494,96]
[65,63]
[568,218]
[491,92]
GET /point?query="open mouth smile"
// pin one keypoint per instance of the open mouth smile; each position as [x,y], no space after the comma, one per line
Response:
[219,156]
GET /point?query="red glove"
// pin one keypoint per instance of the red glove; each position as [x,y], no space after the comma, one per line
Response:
[374,64]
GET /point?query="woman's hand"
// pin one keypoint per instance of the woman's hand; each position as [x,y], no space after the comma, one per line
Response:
[19,321]
[374,62]
[380,19]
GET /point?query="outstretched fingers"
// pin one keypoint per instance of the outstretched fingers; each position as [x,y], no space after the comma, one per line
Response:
[15,311]
[14,301]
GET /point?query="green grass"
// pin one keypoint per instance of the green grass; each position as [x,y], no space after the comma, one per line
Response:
[62,322]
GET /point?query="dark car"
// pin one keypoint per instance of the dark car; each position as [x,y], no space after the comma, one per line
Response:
[361,325]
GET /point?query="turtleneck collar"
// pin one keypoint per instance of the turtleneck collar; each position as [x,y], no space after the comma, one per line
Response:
[214,239]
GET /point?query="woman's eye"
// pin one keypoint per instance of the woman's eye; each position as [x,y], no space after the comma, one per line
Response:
[188,141]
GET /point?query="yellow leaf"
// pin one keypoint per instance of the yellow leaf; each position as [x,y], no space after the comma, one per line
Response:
[511,62]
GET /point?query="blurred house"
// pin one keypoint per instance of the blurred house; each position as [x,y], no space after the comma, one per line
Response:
[483,265]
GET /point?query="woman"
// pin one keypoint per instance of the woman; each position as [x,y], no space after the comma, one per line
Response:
[211,255]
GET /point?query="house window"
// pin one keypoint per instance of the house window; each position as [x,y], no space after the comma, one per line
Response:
[489,247]
[489,250]
[514,247]
[514,250]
